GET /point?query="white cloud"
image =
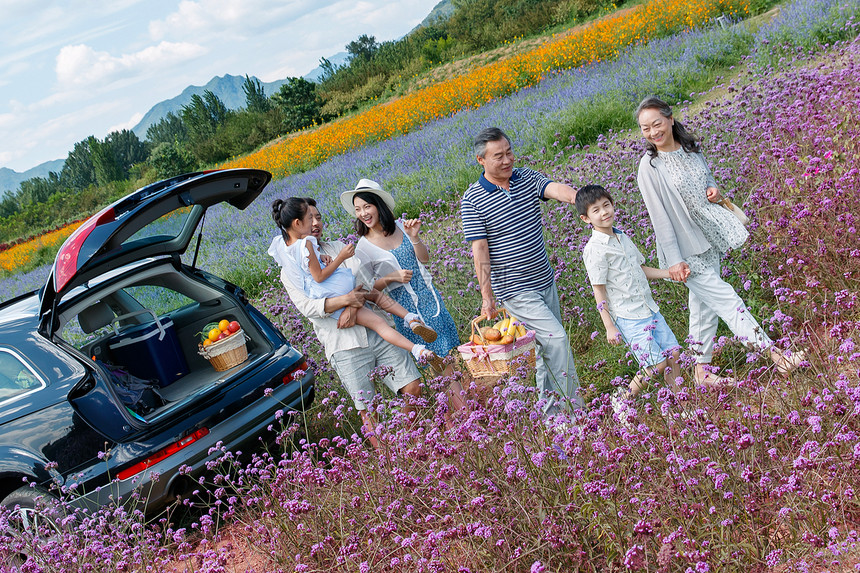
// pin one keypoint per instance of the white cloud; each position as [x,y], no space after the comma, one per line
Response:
[133,120]
[81,65]
[231,19]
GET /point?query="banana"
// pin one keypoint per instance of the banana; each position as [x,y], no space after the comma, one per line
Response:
[503,325]
[513,328]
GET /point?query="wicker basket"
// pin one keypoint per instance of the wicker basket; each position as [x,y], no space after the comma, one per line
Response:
[492,361]
[226,353]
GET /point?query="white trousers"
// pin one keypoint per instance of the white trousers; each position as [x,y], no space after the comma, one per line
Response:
[712,298]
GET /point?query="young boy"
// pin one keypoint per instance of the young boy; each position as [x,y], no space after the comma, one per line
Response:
[620,283]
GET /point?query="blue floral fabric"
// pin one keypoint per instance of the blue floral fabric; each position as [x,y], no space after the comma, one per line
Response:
[443,324]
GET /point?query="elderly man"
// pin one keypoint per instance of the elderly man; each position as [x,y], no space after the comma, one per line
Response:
[502,219]
[351,349]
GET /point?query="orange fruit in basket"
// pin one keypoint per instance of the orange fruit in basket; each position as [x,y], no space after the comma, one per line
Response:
[224,325]
[206,343]
[214,334]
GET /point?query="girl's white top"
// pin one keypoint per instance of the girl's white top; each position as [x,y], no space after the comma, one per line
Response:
[294,258]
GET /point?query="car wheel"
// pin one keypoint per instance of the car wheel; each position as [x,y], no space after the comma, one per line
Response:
[34,516]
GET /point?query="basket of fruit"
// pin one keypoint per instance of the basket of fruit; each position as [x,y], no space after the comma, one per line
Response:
[223,344]
[493,351]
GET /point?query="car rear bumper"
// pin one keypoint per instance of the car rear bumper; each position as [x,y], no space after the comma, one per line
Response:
[157,485]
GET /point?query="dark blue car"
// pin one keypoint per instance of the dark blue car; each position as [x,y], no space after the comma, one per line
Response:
[102,385]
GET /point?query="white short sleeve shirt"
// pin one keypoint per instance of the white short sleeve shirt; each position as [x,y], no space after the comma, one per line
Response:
[614,261]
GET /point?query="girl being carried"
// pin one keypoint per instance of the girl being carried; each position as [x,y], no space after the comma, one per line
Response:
[321,277]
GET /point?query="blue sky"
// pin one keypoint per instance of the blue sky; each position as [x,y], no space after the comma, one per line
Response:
[76,68]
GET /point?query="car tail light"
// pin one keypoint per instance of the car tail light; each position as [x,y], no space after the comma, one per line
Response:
[67,258]
[288,377]
[163,454]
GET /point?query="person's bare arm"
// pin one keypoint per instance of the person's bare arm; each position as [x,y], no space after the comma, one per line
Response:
[481,256]
[412,227]
[653,274]
[319,273]
[602,300]
[354,299]
[560,192]
[401,276]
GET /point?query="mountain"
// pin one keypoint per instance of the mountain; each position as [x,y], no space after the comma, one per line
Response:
[338,59]
[10,179]
[441,11]
[228,89]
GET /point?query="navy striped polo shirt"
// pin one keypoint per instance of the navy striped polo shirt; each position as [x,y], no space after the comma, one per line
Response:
[513,226]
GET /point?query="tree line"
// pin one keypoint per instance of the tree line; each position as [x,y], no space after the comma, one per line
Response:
[204,131]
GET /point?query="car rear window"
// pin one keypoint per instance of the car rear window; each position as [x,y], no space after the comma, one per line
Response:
[16,378]
[164,228]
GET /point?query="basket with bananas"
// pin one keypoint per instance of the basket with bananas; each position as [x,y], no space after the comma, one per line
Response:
[498,349]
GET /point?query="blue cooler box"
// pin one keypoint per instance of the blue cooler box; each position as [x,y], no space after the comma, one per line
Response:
[150,351]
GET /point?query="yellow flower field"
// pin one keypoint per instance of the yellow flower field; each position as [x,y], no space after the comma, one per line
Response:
[599,40]
[16,256]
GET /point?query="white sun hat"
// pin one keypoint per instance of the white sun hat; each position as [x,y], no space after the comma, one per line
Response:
[366,186]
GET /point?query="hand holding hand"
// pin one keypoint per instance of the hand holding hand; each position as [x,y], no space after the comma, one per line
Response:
[713,194]
[679,272]
[613,336]
[325,259]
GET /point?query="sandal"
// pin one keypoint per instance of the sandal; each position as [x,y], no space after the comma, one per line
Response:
[426,333]
[788,364]
[711,380]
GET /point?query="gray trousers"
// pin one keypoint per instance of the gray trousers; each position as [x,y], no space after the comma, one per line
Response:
[556,371]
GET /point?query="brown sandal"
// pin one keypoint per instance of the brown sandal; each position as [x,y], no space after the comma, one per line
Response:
[426,333]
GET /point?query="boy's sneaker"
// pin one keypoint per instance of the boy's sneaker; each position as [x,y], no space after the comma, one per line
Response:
[623,411]
[426,333]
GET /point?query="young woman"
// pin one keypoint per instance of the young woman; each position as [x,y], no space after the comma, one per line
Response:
[693,231]
[326,278]
[397,256]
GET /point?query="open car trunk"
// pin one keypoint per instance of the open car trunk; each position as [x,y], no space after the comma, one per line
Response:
[149,325]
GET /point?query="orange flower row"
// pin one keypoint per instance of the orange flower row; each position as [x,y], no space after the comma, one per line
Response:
[16,256]
[599,40]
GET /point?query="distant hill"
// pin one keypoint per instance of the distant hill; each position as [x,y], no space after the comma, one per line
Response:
[228,89]
[338,59]
[441,11]
[10,179]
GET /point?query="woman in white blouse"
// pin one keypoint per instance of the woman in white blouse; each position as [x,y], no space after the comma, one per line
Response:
[397,256]
[693,230]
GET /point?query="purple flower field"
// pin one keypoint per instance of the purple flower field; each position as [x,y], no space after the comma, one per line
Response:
[762,477]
